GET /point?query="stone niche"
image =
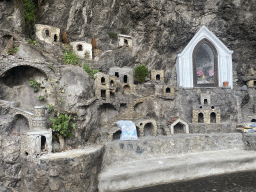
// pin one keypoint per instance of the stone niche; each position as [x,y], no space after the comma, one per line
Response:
[124,40]
[205,112]
[105,86]
[82,49]
[178,126]
[205,62]
[146,127]
[48,34]
[157,75]
[251,83]
[38,140]
[124,75]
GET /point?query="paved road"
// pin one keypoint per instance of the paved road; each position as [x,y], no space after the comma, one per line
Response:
[236,182]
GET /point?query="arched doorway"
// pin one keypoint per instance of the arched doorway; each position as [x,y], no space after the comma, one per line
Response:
[20,124]
[148,129]
[200,118]
[213,117]
[117,135]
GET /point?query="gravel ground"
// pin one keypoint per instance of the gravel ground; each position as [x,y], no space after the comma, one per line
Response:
[236,182]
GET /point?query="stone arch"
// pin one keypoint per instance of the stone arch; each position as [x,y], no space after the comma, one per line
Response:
[44,70]
[23,121]
[181,124]
[200,118]
[158,77]
[213,117]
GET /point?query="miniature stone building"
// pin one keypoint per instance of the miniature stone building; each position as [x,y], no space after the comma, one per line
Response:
[105,86]
[178,125]
[157,75]
[125,75]
[168,91]
[48,34]
[82,49]
[251,83]
[124,40]
[206,112]
[38,139]
[205,62]
[146,127]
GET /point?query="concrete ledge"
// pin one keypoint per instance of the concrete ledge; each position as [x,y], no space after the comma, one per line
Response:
[136,174]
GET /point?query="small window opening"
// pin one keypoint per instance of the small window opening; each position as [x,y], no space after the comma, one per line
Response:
[103,93]
[178,128]
[200,118]
[117,135]
[112,95]
[116,74]
[125,78]
[157,77]
[125,42]
[213,118]
[205,101]
[137,131]
[79,47]
[253,120]
[112,83]
[168,90]
[55,38]
[254,83]
[212,107]
[141,124]
[43,142]
[47,33]
[200,107]
[26,153]
[102,80]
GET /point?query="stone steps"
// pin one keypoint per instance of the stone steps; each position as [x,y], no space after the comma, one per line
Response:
[121,176]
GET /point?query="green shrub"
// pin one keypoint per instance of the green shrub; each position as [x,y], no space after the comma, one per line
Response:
[9,52]
[70,57]
[90,71]
[62,124]
[16,49]
[42,97]
[112,35]
[141,72]
[36,85]
[31,41]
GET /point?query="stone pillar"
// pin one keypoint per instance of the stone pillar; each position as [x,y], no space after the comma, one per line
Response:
[39,121]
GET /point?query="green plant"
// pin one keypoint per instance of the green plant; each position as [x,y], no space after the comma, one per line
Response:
[112,35]
[42,97]
[70,57]
[90,71]
[36,85]
[51,67]
[62,124]
[141,72]
[16,49]
[31,41]
[9,52]
[50,108]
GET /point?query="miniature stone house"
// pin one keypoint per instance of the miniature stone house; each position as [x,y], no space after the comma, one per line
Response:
[124,40]
[38,139]
[105,86]
[157,75]
[146,127]
[48,34]
[178,125]
[205,62]
[205,99]
[251,83]
[168,91]
[82,49]
[125,75]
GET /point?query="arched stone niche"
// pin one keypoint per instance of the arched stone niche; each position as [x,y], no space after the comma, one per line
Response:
[222,56]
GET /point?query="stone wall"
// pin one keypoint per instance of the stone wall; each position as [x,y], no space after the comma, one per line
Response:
[75,170]
[162,146]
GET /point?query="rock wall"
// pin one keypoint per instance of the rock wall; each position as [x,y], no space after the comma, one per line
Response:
[75,170]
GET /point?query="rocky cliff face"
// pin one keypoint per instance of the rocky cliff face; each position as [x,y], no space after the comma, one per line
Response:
[160,29]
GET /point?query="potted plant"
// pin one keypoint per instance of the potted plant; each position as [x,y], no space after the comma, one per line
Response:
[225,83]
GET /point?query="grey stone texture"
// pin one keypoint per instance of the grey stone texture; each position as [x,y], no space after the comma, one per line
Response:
[75,170]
